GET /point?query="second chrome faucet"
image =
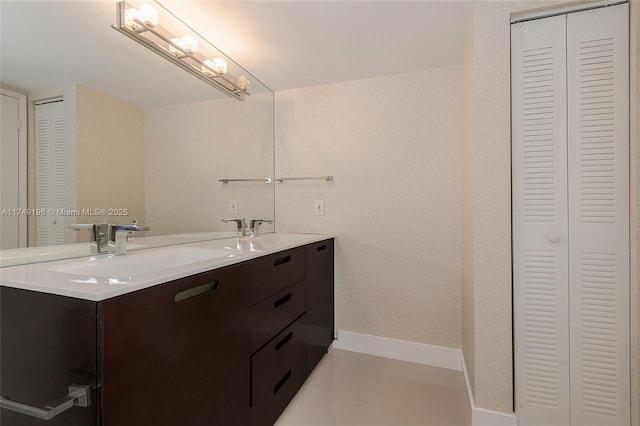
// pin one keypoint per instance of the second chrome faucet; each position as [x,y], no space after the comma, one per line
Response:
[241,225]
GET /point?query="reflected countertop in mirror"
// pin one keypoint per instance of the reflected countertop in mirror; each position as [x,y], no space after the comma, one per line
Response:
[142,138]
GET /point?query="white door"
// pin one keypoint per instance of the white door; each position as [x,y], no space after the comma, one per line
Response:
[598,170]
[570,218]
[13,175]
[540,238]
[50,158]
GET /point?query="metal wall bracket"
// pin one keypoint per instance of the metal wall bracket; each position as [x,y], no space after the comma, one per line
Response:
[265,180]
[79,395]
[326,178]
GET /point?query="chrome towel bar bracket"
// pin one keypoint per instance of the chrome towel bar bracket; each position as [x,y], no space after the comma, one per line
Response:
[326,178]
[78,395]
[265,180]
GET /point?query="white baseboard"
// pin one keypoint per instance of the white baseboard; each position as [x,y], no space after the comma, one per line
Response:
[421,353]
[482,417]
[402,350]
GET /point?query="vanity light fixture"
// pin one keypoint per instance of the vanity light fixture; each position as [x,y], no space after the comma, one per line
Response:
[143,25]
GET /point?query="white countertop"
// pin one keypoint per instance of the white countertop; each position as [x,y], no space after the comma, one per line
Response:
[58,277]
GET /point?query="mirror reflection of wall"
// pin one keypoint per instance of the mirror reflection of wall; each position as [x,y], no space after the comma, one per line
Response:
[142,139]
[94,162]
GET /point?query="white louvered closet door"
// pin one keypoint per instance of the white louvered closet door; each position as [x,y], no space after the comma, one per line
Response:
[540,245]
[50,172]
[570,218]
[598,169]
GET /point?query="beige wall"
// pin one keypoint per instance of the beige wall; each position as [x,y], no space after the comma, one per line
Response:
[468,319]
[191,146]
[104,162]
[393,144]
[110,157]
[491,360]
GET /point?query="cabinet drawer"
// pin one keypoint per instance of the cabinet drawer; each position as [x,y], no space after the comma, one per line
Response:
[277,373]
[272,273]
[270,316]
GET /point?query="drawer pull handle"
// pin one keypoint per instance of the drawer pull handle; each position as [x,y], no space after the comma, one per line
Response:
[282,261]
[282,301]
[282,382]
[284,341]
[322,247]
[196,291]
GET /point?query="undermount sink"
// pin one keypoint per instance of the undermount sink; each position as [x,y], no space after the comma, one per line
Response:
[140,262]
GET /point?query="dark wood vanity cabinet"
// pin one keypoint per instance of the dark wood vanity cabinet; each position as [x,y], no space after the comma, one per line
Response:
[231,346]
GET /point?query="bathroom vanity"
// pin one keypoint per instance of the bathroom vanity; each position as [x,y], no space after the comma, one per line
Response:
[221,341]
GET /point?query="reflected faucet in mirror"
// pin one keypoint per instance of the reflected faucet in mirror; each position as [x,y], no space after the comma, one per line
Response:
[255,225]
[97,235]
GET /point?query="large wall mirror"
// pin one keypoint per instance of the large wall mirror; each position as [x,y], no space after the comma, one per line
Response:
[119,133]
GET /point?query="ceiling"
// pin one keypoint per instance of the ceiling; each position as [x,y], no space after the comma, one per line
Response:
[285,44]
[291,44]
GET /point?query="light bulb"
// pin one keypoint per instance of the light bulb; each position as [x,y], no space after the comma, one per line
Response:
[129,16]
[187,43]
[219,65]
[148,14]
[242,82]
[190,43]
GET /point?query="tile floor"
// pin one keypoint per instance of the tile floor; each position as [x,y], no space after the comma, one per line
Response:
[353,389]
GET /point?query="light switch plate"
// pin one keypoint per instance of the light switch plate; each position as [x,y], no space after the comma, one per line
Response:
[233,207]
[318,208]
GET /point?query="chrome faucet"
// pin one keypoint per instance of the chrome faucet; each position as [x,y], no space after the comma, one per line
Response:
[97,235]
[241,224]
[119,235]
[255,225]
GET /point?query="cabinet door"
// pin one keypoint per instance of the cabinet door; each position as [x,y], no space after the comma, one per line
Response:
[178,353]
[48,343]
[320,299]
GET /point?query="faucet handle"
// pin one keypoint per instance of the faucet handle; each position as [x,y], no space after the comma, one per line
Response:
[241,224]
[119,235]
[255,225]
[138,228]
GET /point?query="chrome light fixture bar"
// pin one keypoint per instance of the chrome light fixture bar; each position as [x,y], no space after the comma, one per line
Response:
[142,25]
